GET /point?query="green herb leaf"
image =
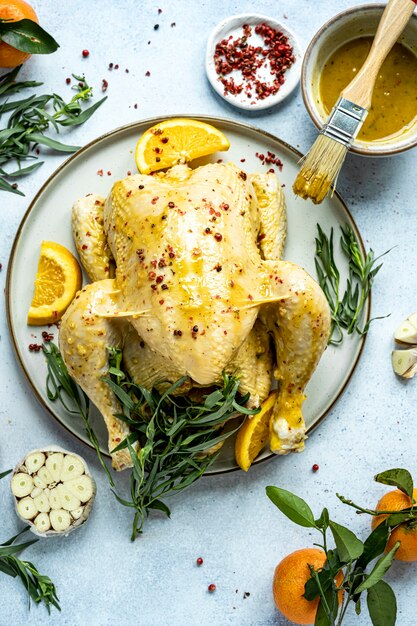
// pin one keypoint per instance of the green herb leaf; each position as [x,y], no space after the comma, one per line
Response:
[38,586]
[346,309]
[3,474]
[28,36]
[398,477]
[295,508]
[379,570]
[323,521]
[374,545]
[382,605]
[30,119]
[349,547]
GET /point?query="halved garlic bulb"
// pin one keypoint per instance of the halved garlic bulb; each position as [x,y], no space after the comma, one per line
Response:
[54,491]
[407,331]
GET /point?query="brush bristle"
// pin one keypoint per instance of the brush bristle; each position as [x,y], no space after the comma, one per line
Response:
[320,169]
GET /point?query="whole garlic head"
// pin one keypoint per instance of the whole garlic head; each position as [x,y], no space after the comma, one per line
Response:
[53,491]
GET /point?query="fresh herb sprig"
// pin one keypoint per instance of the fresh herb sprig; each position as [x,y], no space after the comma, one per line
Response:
[30,118]
[177,434]
[351,556]
[345,309]
[40,588]
[60,386]
[27,36]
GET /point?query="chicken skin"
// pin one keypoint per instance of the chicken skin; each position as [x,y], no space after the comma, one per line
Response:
[200,289]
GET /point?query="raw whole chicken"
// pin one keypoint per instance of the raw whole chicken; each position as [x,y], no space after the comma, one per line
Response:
[199,289]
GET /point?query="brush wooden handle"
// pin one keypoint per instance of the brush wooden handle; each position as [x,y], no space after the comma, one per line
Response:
[393,21]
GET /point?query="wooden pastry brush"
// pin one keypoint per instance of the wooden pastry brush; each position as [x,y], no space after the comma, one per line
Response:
[323,163]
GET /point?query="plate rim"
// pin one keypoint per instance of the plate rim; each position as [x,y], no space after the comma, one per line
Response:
[210,119]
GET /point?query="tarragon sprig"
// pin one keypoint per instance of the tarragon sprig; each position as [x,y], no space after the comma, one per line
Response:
[173,436]
[39,587]
[29,120]
[345,309]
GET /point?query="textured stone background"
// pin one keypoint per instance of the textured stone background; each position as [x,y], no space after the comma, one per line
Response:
[102,578]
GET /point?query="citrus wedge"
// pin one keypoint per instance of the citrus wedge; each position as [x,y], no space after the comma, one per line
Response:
[177,140]
[57,281]
[253,435]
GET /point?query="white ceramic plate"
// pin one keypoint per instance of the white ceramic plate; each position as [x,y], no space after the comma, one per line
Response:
[232,26]
[49,217]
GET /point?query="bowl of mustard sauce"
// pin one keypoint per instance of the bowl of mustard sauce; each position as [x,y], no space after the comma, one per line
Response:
[335,55]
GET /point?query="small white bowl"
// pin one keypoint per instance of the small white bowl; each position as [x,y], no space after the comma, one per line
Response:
[358,21]
[233,26]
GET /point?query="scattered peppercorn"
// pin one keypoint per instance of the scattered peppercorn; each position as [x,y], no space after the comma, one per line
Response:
[34,347]
[159,11]
[315,467]
[195,330]
[171,205]
[85,53]
[173,24]
[110,66]
[199,561]
[68,81]
[164,286]
[211,588]
[246,594]
[218,237]
[178,333]
[156,27]
[104,85]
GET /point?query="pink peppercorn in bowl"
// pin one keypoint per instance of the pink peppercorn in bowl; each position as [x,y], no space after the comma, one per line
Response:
[253,61]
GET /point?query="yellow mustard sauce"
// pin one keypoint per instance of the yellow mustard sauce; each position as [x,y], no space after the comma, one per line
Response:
[394,102]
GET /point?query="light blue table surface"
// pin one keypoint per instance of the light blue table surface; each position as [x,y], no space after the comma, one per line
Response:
[102,578]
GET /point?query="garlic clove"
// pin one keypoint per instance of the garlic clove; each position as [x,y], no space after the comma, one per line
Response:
[42,522]
[26,508]
[404,362]
[34,462]
[39,483]
[406,332]
[42,503]
[55,499]
[72,468]
[36,492]
[81,487]
[68,501]
[76,513]
[45,476]
[60,520]
[54,464]
[21,485]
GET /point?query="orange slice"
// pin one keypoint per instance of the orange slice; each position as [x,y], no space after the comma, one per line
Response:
[177,140]
[57,281]
[254,433]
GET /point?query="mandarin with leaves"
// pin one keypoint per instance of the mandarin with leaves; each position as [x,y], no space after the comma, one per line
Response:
[290,577]
[14,10]
[405,533]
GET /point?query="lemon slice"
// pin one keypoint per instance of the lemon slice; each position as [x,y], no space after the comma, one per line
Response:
[57,281]
[253,435]
[178,140]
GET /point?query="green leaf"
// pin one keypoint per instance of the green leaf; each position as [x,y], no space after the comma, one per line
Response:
[3,474]
[349,547]
[382,605]
[398,477]
[5,186]
[374,545]
[399,518]
[323,521]
[52,143]
[295,508]
[358,606]
[82,117]
[381,566]
[28,36]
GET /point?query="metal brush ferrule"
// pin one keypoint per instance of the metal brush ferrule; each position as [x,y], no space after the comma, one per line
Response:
[345,122]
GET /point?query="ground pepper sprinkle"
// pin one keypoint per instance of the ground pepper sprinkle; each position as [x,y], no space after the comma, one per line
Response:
[250,62]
